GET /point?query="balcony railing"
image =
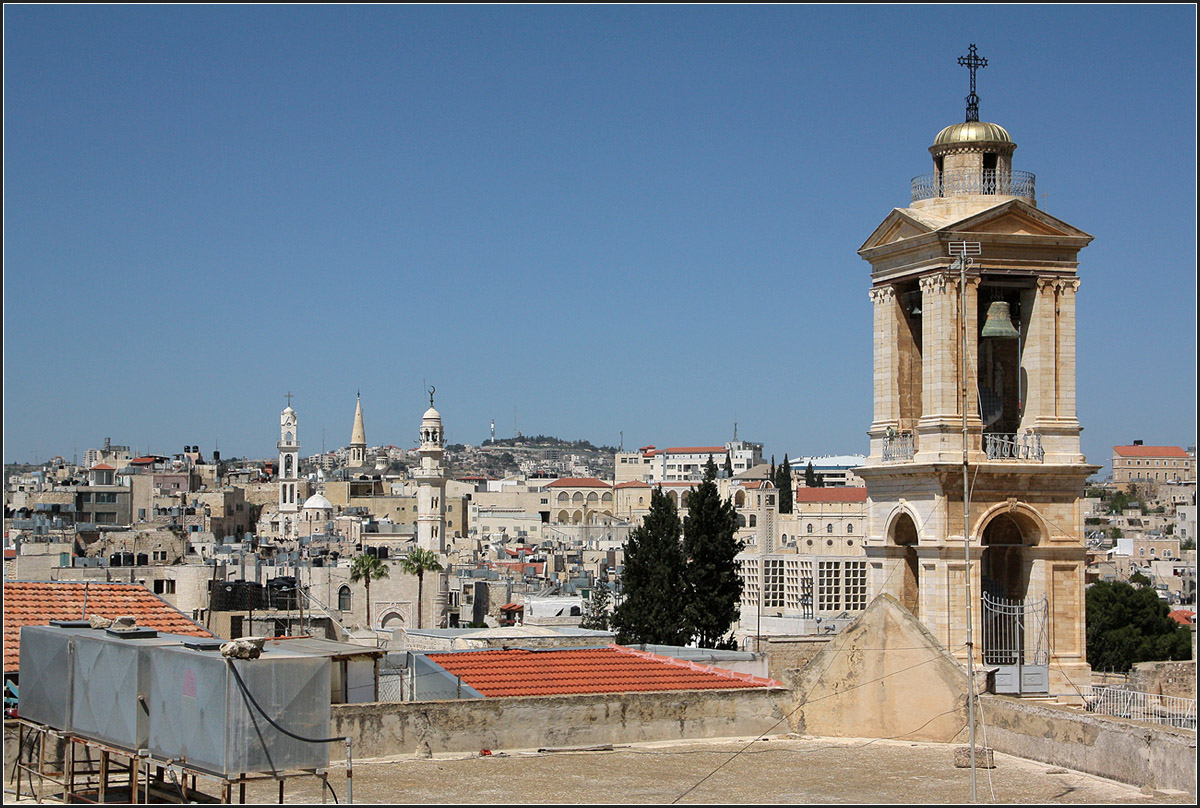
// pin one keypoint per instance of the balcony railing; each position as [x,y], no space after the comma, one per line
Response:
[901,446]
[961,182]
[1173,711]
[1027,446]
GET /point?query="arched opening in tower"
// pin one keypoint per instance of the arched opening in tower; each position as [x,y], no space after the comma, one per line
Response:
[904,534]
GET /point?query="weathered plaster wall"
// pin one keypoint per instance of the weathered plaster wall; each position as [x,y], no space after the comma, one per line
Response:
[381,730]
[883,676]
[1134,752]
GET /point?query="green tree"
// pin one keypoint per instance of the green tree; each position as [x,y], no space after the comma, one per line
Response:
[1118,503]
[595,615]
[728,466]
[1140,580]
[810,477]
[417,562]
[783,481]
[1127,625]
[653,584]
[367,568]
[714,588]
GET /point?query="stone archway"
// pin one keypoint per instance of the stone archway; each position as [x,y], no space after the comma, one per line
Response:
[1006,562]
[903,533]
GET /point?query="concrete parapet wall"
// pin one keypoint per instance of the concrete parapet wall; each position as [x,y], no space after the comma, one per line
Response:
[430,727]
[1135,752]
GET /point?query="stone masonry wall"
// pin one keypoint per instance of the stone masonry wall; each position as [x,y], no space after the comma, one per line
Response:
[1165,678]
[469,725]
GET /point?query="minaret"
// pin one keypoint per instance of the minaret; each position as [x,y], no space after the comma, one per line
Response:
[973,290]
[431,481]
[289,470]
[358,438]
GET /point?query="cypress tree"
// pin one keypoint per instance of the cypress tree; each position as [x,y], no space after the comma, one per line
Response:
[810,478]
[784,484]
[714,588]
[653,584]
[728,466]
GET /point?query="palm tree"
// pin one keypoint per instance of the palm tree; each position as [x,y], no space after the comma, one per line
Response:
[416,563]
[366,568]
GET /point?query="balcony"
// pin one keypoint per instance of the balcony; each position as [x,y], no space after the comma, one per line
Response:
[1000,446]
[899,447]
[965,182]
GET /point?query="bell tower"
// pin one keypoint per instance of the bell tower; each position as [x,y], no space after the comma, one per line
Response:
[431,482]
[974,431]
[289,470]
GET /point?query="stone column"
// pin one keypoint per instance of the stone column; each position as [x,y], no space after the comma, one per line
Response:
[887,372]
[971,315]
[1065,359]
[1037,359]
[939,421]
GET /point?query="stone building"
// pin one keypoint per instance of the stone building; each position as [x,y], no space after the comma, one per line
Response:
[982,355]
[1156,464]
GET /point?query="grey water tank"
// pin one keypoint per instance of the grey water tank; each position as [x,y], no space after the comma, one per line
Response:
[200,715]
[110,674]
[46,653]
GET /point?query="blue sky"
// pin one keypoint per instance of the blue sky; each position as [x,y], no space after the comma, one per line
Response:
[580,221]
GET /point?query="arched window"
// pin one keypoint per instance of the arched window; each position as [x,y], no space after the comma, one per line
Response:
[563,496]
[740,499]
[849,527]
[753,520]
[344,599]
[829,527]
[810,527]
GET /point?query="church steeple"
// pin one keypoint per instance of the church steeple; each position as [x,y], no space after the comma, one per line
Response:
[358,438]
[431,478]
[289,469]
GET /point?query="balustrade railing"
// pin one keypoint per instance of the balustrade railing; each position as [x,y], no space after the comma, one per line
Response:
[961,182]
[1173,711]
[1001,446]
[901,446]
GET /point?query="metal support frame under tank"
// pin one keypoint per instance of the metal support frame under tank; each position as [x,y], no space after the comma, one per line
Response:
[88,771]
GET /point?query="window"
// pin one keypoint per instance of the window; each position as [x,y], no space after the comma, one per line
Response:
[164,586]
[810,529]
[850,527]
[855,585]
[344,599]
[773,583]
[829,527]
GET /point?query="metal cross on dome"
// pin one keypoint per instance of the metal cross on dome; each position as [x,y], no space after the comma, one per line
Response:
[972,63]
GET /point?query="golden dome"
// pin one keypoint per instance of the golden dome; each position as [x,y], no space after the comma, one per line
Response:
[972,132]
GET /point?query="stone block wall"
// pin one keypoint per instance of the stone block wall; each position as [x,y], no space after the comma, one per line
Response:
[469,725]
[1164,678]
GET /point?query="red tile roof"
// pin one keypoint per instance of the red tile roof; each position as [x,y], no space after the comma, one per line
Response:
[36,603]
[615,669]
[1183,617]
[837,494]
[578,482]
[102,467]
[1150,451]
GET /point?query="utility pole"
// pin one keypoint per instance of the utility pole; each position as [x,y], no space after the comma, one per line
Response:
[965,249]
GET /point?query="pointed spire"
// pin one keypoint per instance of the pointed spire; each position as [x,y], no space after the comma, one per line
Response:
[359,434]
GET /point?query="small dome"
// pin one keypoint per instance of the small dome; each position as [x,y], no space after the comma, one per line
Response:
[319,502]
[972,132]
[431,415]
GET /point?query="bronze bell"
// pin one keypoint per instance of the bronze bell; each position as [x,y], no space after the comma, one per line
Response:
[999,323]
